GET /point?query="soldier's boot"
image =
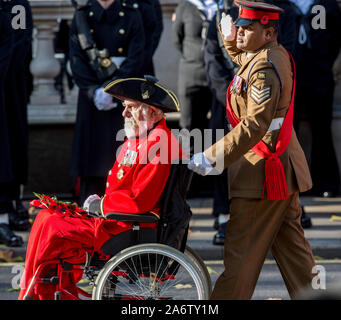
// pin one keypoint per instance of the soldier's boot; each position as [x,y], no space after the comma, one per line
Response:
[219,237]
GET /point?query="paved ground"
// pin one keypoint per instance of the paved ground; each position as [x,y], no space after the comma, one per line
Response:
[324,237]
[270,284]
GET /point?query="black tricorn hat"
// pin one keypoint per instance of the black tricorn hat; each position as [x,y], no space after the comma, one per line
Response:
[250,11]
[145,90]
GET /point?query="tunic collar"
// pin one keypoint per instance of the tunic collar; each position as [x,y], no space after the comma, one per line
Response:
[252,56]
[108,14]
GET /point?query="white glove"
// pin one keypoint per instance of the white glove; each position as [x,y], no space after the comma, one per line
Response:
[201,165]
[89,200]
[228,29]
[103,101]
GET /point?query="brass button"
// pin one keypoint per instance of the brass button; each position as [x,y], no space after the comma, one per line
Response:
[135,5]
[91,30]
[107,184]
[91,14]
[120,50]
[121,13]
[121,31]
[110,172]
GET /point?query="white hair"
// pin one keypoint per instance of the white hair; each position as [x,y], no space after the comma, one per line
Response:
[132,129]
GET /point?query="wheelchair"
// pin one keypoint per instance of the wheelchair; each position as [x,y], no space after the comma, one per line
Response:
[144,263]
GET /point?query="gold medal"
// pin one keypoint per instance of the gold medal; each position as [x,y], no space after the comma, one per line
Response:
[120,174]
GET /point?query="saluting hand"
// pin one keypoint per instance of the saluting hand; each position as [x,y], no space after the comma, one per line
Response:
[228,29]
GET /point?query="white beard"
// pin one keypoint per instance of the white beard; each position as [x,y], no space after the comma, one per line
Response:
[130,127]
[132,130]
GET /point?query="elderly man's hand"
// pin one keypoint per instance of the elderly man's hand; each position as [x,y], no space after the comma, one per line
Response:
[103,101]
[200,165]
[228,29]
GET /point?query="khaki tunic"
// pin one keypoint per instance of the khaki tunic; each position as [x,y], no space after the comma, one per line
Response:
[263,100]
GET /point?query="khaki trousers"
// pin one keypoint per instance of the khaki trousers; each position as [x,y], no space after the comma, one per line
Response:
[255,227]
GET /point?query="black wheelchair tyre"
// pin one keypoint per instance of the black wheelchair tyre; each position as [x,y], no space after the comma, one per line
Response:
[140,272]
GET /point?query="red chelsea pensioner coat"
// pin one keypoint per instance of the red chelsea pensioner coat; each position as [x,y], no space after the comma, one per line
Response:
[134,185]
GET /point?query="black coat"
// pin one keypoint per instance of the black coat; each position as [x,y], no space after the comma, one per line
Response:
[151,15]
[158,21]
[16,95]
[120,30]
[219,66]
[189,40]
[6,43]
[315,58]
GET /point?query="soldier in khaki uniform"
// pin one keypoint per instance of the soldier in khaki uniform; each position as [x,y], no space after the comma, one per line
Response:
[267,167]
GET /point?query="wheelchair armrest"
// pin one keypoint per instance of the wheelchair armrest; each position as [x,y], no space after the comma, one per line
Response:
[146,217]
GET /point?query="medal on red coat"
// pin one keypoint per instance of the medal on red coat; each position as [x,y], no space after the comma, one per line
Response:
[129,158]
[120,174]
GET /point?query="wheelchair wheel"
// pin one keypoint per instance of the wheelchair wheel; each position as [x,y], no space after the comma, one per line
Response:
[150,272]
[201,265]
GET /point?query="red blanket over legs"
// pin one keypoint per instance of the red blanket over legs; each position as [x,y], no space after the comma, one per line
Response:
[63,237]
[54,236]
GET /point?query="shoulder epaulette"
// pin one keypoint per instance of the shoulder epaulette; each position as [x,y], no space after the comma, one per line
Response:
[273,66]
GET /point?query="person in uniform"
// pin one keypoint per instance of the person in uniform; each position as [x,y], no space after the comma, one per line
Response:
[134,184]
[267,166]
[151,15]
[14,96]
[189,33]
[189,29]
[289,25]
[220,71]
[107,41]
[6,42]
[318,47]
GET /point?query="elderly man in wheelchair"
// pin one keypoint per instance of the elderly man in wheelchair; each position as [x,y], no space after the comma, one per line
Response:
[131,243]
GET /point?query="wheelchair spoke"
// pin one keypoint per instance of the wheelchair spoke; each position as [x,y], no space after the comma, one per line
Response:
[126,290]
[151,272]
[136,275]
[173,284]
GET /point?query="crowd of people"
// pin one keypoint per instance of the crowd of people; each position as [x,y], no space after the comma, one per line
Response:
[112,39]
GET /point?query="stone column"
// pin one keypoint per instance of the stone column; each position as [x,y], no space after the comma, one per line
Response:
[44,67]
[45,104]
